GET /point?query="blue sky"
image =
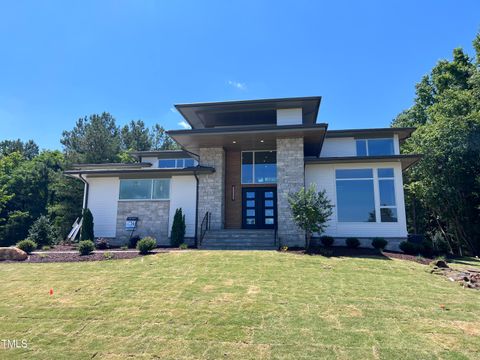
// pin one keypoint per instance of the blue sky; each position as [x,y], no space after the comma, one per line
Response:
[60,60]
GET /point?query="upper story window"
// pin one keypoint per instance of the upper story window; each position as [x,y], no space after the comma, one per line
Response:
[375,147]
[259,167]
[144,189]
[176,163]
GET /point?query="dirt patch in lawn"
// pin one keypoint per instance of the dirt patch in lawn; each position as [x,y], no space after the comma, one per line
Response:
[46,257]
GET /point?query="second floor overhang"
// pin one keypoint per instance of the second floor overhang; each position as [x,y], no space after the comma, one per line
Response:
[263,137]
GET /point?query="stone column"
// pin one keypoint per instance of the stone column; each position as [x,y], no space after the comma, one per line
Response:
[211,188]
[290,178]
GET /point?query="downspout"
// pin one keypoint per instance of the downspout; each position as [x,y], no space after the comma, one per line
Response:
[196,210]
[85,191]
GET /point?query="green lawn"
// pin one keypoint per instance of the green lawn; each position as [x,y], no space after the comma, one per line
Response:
[237,305]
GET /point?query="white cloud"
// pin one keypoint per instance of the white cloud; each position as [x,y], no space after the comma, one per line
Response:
[237,85]
[184,124]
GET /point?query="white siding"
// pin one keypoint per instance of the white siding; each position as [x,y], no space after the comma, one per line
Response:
[183,194]
[102,202]
[324,177]
[339,147]
[289,116]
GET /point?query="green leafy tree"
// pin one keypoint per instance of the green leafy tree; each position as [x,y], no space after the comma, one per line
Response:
[443,190]
[177,235]
[87,226]
[94,139]
[28,149]
[310,210]
[135,136]
[161,140]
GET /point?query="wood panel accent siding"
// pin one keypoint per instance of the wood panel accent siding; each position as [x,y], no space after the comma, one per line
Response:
[233,209]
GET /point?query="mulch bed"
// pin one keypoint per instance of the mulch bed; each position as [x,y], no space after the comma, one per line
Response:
[47,257]
[343,251]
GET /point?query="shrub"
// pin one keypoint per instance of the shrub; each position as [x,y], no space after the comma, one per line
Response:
[379,243]
[124,247]
[132,242]
[310,211]
[107,255]
[183,246]
[352,242]
[178,228]
[327,240]
[86,247]
[146,245]
[27,245]
[441,244]
[87,226]
[426,248]
[284,248]
[46,248]
[410,248]
[102,244]
[41,232]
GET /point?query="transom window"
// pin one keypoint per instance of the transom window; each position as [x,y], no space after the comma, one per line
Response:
[144,189]
[176,163]
[358,190]
[375,147]
[259,167]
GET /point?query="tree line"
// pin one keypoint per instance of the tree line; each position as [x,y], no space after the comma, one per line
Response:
[32,183]
[443,189]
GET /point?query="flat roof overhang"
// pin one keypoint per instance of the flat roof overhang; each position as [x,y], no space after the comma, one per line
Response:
[141,173]
[111,166]
[406,160]
[251,138]
[246,112]
[403,133]
[161,154]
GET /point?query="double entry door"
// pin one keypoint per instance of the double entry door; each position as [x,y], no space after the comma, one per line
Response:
[259,208]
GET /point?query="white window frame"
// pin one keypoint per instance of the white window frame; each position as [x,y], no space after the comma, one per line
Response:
[366,144]
[376,193]
[151,190]
[195,163]
[380,206]
[253,164]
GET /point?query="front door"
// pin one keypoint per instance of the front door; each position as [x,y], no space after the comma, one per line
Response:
[259,208]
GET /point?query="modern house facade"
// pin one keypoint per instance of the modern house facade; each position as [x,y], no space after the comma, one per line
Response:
[239,162]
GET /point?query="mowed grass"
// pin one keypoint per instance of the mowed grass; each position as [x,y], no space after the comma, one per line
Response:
[237,305]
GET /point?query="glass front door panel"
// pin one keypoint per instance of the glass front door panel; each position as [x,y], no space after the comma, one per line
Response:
[259,208]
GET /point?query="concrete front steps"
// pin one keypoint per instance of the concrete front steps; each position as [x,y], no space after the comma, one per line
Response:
[240,239]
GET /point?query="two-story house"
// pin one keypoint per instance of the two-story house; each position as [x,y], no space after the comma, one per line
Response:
[240,161]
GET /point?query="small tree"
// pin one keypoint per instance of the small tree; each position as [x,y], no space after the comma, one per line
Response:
[310,211]
[87,226]
[42,232]
[177,235]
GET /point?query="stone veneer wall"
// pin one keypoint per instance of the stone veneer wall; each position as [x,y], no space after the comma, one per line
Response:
[152,220]
[211,187]
[290,178]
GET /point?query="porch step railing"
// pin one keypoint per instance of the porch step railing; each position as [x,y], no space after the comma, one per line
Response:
[204,226]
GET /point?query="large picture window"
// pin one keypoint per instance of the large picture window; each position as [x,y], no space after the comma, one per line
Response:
[355,195]
[144,189]
[375,147]
[259,167]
